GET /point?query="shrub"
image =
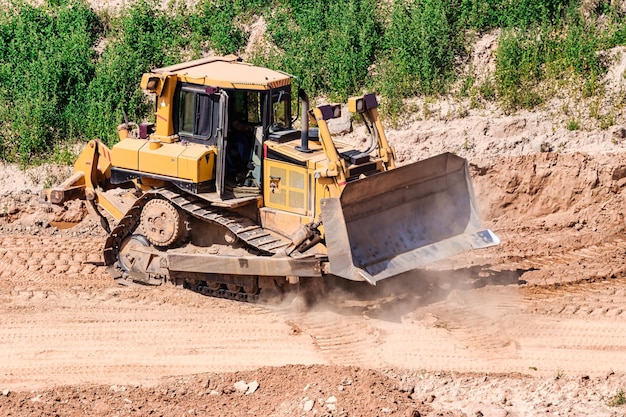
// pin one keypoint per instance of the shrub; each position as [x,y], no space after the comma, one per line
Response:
[216,21]
[59,81]
[47,61]
[328,45]
[421,47]
[142,38]
[524,59]
[618,399]
[484,15]
[573,125]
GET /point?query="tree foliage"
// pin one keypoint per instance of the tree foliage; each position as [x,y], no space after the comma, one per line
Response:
[67,72]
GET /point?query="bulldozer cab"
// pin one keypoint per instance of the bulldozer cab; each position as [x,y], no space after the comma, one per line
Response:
[252,116]
[237,122]
[224,104]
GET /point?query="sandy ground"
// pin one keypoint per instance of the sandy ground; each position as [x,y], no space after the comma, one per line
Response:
[535,326]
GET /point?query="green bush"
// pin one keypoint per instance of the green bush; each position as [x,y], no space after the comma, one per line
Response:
[525,59]
[483,15]
[328,45]
[47,61]
[421,47]
[141,38]
[573,125]
[55,87]
[67,72]
[216,20]
[618,399]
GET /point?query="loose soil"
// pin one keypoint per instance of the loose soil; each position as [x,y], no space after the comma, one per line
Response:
[535,326]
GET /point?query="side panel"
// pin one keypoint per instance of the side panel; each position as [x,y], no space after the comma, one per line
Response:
[281,221]
[286,187]
[162,160]
[125,154]
[197,163]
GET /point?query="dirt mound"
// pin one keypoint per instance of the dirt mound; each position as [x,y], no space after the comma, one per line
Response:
[285,391]
[558,190]
[533,326]
[330,391]
[23,212]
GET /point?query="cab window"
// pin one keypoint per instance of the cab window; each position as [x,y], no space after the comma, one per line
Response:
[196,117]
[281,106]
[246,106]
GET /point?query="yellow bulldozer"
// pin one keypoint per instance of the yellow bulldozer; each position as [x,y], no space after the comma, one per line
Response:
[222,195]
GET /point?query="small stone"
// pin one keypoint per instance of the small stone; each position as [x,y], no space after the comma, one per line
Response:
[241,386]
[12,208]
[385,410]
[308,405]
[619,133]
[331,407]
[430,399]
[6,392]
[340,388]
[252,387]
[36,399]
[406,387]
[214,393]
[342,124]
[331,400]
[413,413]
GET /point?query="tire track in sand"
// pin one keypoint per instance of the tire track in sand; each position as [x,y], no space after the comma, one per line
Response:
[135,336]
[49,263]
[498,329]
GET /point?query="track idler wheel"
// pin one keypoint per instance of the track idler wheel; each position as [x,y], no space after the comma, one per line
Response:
[162,222]
[251,289]
[124,258]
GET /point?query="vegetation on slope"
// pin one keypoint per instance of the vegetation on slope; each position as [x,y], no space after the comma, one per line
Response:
[67,71]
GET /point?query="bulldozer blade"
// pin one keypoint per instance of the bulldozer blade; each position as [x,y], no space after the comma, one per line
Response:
[403,219]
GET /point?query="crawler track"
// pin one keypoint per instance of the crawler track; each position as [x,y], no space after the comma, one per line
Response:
[263,241]
[222,293]
[249,235]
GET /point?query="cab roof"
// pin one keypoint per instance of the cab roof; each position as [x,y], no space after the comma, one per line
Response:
[226,72]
